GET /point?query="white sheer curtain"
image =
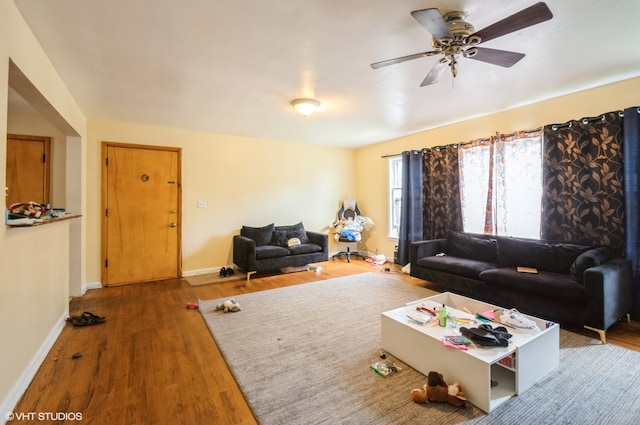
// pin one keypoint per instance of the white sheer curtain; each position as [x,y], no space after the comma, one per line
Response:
[501,184]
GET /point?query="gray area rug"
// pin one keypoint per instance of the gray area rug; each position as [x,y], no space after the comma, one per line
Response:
[301,355]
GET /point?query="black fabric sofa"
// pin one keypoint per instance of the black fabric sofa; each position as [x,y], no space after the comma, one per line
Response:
[272,247]
[578,284]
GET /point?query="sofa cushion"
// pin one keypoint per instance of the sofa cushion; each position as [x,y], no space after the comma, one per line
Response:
[294,231]
[305,248]
[552,257]
[262,235]
[586,260]
[456,265]
[264,252]
[468,246]
[558,286]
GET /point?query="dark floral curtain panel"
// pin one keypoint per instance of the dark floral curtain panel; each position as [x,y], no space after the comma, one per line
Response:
[411,219]
[583,198]
[441,185]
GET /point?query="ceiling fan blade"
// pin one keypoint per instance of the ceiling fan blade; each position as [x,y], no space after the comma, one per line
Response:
[532,15]
[434,75]
[497,57]
[401,59]
[432,21]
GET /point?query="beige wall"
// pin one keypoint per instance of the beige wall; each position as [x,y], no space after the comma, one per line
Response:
[372,170]
[244,181]
[35,263]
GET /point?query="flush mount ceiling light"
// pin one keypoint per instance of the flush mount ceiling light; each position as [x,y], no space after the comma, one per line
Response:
[305,107]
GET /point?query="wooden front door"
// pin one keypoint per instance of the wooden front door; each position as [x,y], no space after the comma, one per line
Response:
[141,221]
[28,169]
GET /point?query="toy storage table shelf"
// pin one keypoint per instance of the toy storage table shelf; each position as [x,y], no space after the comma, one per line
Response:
[528,358]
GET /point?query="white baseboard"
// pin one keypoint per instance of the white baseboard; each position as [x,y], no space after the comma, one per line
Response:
[90,285]
[8,404]
[196,272]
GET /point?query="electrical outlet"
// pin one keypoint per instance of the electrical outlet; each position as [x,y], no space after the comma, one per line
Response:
[202,204]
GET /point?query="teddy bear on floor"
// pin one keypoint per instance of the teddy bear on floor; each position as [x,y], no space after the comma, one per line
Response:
[437,390]
[229,306]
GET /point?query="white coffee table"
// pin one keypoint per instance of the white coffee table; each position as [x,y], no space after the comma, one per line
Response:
[533,354]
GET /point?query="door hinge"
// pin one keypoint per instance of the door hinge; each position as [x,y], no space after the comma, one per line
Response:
[106,212]
[106,263]
[44,158]
[106,162]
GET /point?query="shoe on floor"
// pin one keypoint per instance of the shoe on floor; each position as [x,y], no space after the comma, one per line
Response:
[86,319]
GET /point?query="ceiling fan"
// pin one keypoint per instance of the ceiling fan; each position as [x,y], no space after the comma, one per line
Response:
[454,38]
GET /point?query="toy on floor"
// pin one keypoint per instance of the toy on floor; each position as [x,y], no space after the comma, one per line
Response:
[192,305]
[437,390]
[229,306]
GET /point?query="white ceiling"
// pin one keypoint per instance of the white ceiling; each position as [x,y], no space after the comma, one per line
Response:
[232,67]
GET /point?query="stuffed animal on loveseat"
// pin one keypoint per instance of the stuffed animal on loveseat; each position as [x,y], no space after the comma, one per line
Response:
[437,390]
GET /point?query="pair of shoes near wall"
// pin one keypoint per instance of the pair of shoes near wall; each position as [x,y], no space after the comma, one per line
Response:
[226,272]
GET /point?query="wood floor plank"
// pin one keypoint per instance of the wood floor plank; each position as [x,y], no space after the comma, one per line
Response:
[154,360]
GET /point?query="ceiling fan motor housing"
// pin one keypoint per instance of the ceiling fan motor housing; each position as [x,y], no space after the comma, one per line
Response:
[460,43]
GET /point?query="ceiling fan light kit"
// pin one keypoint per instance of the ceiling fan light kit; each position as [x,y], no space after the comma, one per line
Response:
[305,106]
[455,38]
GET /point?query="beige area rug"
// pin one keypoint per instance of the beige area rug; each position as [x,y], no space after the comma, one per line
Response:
[209,278]
[301,355]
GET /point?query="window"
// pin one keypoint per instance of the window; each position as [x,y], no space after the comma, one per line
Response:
[501,185]
[395,193]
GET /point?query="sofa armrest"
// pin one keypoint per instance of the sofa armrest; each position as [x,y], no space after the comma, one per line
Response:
[609,293]
[423,249]
[244,253]
[321,239]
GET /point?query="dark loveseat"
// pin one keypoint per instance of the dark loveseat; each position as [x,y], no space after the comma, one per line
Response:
[577,284]
[273,247]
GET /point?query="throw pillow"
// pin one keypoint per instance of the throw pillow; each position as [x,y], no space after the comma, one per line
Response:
[262,235]
[280,238]
[592,258]
[466,246]
[293,242]
[295,231]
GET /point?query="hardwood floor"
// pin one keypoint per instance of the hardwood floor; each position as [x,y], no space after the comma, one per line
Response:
[154,360]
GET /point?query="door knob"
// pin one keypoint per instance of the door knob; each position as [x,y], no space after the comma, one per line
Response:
[173,225]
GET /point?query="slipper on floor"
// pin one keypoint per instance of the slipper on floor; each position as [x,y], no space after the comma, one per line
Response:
[86,319]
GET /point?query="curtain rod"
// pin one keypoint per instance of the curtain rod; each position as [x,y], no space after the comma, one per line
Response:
[399,154]
[587,120]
